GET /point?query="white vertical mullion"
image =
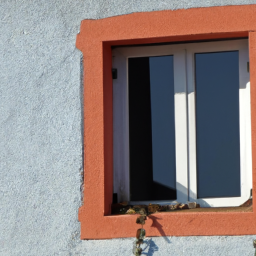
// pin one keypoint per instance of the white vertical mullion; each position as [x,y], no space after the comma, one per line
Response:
[180,99]
[191,127]
[245,123]
[120,128]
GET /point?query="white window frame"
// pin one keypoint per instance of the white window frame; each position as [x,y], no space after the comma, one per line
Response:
[185,125]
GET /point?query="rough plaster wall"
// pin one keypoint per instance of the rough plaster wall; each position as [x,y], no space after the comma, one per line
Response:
[40,132]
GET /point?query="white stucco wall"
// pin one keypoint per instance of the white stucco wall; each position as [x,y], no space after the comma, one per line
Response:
[41,128]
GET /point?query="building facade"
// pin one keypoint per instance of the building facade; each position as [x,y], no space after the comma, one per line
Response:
[43,116]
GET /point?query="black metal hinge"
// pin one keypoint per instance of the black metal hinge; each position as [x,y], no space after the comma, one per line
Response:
[114,73]
[115,198]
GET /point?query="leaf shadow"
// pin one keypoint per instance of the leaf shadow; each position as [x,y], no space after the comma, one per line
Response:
[151,246]
[157,225]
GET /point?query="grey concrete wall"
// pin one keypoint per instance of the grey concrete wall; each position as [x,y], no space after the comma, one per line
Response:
[40,132]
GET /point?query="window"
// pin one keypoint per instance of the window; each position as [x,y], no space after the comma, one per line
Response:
[96,41]
[181,123]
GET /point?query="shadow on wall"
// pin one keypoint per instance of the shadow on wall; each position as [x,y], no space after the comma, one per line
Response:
[151,247]
[157,224]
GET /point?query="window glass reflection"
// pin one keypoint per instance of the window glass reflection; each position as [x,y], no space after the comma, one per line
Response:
[151,124]
[217,124]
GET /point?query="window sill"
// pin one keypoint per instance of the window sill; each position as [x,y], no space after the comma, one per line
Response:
[196,222]
[202,210]
[217,209]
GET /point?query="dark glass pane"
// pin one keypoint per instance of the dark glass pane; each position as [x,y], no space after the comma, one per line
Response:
[163,130]
[141,172]
[151,120]
[217,124]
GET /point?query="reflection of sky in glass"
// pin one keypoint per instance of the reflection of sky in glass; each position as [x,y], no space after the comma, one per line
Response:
[217,124]
[162,118]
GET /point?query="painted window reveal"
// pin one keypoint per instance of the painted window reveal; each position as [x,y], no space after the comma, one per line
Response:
[106,99]
[188,112]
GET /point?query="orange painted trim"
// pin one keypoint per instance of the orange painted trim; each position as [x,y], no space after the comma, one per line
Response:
[95,41]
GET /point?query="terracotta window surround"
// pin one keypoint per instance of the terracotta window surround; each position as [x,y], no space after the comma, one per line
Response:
[95,41]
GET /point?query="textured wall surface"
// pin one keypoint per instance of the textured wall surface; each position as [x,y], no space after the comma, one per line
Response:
[41,127]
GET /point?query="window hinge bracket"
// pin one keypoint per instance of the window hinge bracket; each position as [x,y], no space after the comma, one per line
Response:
[248,67]
[115,200]
[114,73]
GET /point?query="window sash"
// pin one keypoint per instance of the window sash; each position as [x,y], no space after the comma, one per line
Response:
[244,121]
[185,122]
